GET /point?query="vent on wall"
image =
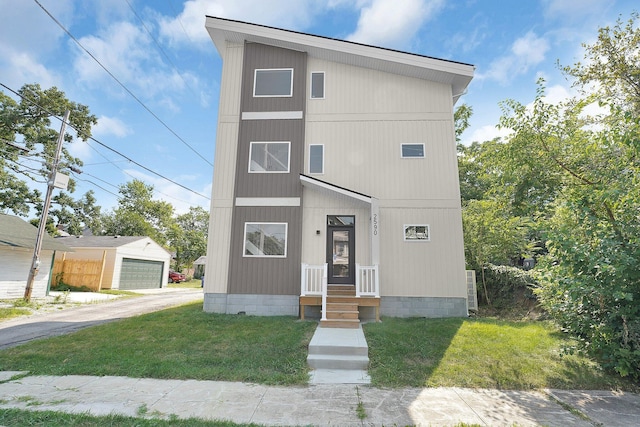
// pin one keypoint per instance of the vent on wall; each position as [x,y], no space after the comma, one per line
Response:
[472,293]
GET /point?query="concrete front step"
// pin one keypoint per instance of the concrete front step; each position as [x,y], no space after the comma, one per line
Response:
[339,376]
[338,349]
[327,361]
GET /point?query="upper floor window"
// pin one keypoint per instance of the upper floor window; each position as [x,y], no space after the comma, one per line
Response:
[316,158]
[317,85]
[275,82]
[412,150]
[269,157]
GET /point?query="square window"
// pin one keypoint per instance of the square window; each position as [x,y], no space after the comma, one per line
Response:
[269,157]
[316,158]
[265,239]
[317,85]
[412,150]
[273,83]
[416,233]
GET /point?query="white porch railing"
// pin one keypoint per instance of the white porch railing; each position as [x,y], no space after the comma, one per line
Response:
[314,280]
[367,281]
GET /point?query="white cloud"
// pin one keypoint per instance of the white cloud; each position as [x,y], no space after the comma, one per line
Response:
[566,10]
[188,26]
[393,24]
[485,133]
[18,68]
[110,126]
[526,52]
[128,53]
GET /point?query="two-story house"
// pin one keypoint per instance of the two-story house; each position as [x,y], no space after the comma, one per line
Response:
[335,162]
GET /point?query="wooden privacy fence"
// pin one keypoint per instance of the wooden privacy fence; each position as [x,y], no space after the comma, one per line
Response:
[79,272]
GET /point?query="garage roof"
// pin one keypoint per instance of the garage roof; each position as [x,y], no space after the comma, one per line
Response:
[16,232]
[99,241]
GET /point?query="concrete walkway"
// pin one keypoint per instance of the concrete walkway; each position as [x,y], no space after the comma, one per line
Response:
[316,404]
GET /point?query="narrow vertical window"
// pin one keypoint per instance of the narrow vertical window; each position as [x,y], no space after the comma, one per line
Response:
[317,85]
[316,158]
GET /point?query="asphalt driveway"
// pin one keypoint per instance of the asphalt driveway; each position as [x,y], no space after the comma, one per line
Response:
[19,330]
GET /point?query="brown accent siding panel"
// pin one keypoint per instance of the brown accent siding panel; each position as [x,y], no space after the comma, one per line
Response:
[266,276]
[259,56]
[270,184]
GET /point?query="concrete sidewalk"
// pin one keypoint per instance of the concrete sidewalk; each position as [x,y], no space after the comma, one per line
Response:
[316,404]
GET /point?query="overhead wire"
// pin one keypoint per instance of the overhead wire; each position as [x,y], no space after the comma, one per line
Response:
[161,49]
[105,145]
[120,83]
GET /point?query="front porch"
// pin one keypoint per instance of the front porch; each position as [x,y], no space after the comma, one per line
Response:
[340,304]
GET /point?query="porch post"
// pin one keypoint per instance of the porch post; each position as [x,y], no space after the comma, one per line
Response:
[375,232]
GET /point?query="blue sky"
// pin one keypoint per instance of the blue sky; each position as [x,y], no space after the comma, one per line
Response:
[160,52]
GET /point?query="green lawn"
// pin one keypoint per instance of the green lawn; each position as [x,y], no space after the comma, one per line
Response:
[10,312]
[482,353]
[185,342]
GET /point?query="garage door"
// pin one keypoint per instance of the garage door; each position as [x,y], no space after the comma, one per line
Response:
[140,274]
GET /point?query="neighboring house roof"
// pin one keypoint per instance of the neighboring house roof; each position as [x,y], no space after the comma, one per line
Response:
[200,261]
[99,241]
[457,74]
[16,232]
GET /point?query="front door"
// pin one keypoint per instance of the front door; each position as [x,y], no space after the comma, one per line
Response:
[341,249]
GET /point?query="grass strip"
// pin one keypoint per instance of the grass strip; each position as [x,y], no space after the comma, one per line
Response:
[479,353]
[178,343]
[18,417]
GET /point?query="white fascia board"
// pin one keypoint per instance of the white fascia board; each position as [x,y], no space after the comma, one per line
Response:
[314,183]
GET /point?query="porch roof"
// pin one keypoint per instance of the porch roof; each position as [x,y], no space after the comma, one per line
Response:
[326,187]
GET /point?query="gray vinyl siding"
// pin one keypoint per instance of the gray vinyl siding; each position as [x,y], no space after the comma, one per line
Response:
[270,184]
[259,56]
[267,276]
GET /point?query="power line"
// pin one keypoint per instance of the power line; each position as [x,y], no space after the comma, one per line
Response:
[104,145]
[161,49]
[120,83]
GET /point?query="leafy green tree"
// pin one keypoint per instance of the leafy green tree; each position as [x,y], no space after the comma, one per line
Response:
[188,236]
[28,143]
[492,236]
[612,65]
[138,214]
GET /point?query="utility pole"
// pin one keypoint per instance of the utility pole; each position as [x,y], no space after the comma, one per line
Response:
[35,264]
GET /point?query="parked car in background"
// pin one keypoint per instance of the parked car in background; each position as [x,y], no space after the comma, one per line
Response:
[175,277]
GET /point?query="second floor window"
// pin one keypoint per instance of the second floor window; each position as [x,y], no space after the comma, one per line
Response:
[274,82]
[269,157]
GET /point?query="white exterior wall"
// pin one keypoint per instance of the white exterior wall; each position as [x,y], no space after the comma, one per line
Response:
[217,267]
[145,249]
[15,264]
[314,217]
[365,117]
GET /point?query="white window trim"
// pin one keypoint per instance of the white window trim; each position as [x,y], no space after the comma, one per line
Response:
[324,84]
[316,173]
[255,79]
[404,233]
[413,157]
[270,142]
[244,240]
